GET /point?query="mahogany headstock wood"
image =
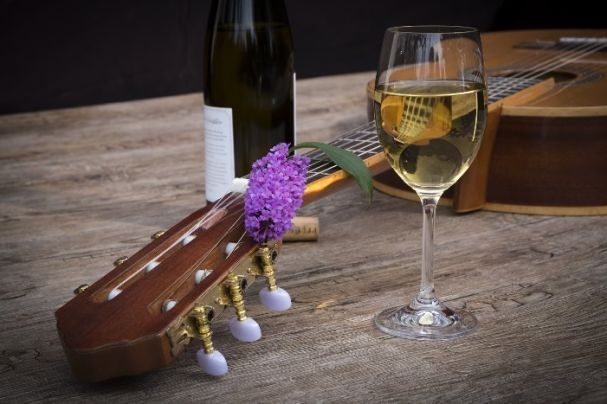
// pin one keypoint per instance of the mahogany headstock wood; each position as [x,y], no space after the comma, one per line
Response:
[120,325]
[132,332]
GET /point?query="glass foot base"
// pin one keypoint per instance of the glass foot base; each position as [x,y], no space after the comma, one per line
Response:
[434,322]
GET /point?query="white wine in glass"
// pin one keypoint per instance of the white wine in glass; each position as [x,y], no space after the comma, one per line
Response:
[430,113]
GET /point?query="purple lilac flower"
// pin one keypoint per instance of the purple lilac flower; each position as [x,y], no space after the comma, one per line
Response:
[276,187]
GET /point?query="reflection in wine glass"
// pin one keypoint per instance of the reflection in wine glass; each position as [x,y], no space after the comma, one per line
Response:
[430,113]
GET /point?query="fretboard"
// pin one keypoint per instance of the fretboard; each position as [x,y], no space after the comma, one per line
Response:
[363,141]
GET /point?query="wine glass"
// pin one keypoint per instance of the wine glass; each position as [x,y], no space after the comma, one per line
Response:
[430,113]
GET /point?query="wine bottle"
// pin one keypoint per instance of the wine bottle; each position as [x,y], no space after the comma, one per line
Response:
[249,83]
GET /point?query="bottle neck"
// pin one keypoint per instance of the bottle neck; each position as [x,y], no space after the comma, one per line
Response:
[245,14]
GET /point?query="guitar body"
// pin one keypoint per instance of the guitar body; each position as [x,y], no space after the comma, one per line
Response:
[549,153]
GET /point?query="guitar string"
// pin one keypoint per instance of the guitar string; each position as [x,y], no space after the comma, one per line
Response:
[583,50]
[548,64]
[523,79]
[323,168]
[231,199]
[225,202]
[542,61]
[534,60]
[318,157]
[569,60]
[349,144]
[602,70]
[536,75]
[364,135]
[558,62]
[321,160]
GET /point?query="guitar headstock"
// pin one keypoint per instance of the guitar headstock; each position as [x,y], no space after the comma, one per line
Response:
[143,313]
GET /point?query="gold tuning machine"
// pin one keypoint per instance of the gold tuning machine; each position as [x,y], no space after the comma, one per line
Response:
[272,297]
[236,297]
[81,288]
[242,327]
[202,317]
[158,234]
[120,260]
[267,266]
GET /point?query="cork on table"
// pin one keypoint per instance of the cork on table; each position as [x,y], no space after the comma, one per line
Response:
[80,187]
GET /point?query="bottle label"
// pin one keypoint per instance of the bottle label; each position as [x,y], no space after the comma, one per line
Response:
[218,151]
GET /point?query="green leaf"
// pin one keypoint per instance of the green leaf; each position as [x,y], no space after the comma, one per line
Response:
[347,161]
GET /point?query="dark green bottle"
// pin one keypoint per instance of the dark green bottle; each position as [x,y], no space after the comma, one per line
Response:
[249,81]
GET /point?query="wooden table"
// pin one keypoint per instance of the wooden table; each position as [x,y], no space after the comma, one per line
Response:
[80,187]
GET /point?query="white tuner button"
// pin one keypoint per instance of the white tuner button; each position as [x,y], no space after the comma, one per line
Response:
[168,305]
[149,267]
[230,247]
[188,239]
[113,293]
[201,274]
[278,300]
[212,363]
[246,330]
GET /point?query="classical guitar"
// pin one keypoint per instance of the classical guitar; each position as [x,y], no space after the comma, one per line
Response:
[144,312]
[545,150]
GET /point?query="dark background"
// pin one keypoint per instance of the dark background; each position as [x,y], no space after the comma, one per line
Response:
[66,53]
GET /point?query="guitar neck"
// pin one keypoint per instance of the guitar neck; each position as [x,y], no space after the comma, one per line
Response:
[325,176]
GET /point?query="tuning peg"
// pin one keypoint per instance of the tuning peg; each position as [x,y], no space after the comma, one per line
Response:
[275,300]
[272,297]
[120,260]
[211,361]
[243,328]
[246,330]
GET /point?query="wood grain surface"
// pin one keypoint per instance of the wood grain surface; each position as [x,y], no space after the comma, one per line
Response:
[80,187]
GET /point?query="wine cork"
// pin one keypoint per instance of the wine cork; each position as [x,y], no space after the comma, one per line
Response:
[305,228]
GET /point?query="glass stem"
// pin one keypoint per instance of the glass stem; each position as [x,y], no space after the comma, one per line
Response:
[426,292]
